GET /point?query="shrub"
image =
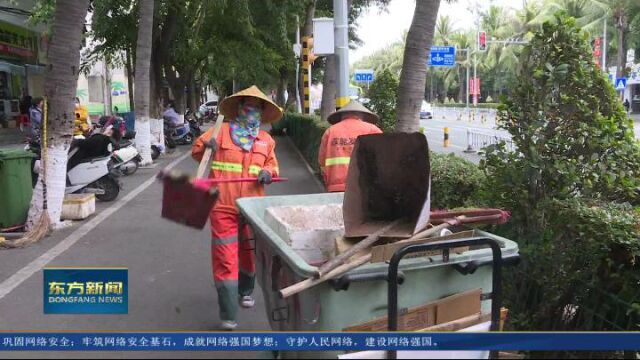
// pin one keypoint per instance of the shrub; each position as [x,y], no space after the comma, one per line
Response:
[384,95]
[455,182]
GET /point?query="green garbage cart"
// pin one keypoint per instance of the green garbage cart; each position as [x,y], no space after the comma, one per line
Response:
[362,294]
[15,187]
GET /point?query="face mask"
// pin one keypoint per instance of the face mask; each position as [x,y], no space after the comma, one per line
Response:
[246,128]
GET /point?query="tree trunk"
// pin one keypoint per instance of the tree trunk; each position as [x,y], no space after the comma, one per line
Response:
[463,84]
[282,87]
[130,78]
[414,70]
[143,62]
[307,30]
[329,87]
[108,101]
[60,88]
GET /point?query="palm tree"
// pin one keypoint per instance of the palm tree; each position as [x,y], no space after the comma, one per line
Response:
[60,88]
[620,11]
[414,72]
[142,84]
[463,41]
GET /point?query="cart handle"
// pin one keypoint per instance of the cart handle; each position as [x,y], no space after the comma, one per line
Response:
[496,292]
[342,283]
[471,267]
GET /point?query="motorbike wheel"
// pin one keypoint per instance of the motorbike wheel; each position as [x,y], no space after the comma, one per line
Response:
[188,139]
[131,170]
[171,144]
[110,187]
[155,152]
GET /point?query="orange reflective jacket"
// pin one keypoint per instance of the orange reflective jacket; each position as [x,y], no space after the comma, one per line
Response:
[230,161]
[335,150]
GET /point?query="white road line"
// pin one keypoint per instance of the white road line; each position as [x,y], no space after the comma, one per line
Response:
[26,272]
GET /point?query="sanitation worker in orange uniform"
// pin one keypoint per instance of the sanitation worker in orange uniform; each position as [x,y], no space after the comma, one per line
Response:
[241,150]
[338,141]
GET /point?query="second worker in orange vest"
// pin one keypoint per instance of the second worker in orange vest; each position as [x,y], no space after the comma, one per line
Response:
[338,141]
[241,150]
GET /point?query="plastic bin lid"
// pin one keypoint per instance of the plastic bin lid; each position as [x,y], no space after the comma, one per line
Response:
[10,154]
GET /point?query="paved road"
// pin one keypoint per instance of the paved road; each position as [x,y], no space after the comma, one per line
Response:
[458,125]
[169,266]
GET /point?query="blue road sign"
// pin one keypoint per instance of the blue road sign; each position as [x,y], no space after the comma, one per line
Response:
[621,83]
[442,56]
[364,76]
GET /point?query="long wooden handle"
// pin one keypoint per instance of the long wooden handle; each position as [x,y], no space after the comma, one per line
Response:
[309,283]
[206,158]
[342,258]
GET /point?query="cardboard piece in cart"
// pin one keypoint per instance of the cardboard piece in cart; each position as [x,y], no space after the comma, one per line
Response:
[389,179]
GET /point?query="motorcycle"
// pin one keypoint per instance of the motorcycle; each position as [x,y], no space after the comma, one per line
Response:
[177,135]
[194,122]
[125,160]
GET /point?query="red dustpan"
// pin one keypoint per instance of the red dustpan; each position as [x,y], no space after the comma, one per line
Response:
[189,201]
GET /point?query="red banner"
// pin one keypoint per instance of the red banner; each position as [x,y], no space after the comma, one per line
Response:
[11,50]
[474,86]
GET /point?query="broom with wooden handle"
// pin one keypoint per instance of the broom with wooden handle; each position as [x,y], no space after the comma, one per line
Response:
[43,226]
[206,158]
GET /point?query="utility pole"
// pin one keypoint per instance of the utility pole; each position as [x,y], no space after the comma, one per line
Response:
[298,46]
[604,47]
[341,33]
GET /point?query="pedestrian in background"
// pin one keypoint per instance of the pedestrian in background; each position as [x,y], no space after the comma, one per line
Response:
[35,116]
[347,124]
[626,105]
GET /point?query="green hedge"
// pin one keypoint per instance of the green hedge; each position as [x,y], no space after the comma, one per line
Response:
[480,106]
[305,132]
[583,275]
[455,182]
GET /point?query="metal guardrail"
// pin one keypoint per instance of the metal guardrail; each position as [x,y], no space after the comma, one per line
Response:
[464,114]
[477,141]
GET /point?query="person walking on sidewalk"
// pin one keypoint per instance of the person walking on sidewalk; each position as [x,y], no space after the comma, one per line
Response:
[35,117]
[338,141]
[240,150]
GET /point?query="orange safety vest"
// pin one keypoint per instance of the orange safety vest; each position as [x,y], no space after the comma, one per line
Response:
[231,161]
[336,148]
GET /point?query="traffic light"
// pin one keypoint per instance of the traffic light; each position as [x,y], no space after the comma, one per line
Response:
[482,41]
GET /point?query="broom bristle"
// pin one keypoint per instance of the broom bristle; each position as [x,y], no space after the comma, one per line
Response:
[41,229]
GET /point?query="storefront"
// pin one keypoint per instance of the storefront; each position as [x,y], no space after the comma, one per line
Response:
[633,89]
[21,72]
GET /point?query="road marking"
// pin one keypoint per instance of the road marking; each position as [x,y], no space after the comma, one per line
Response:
[26,272]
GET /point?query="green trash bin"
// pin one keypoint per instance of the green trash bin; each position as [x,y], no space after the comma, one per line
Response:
[15,186]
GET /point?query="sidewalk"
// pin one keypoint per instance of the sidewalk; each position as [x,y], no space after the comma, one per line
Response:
[11,138]
[169,265]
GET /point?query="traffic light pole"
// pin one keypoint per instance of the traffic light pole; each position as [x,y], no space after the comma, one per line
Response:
[341,27]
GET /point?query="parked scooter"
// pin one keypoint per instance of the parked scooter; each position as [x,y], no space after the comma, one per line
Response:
[85,174]
[194,122]
[125,160]
[177,135]
[91,174]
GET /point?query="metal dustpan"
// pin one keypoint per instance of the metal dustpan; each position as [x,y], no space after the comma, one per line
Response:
[389,179]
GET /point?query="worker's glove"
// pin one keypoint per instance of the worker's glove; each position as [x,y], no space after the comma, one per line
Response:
[264,177]
[211,144]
